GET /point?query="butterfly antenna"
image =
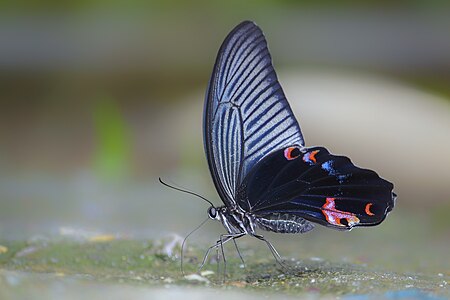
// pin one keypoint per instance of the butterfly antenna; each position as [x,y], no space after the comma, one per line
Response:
[184,191]
[184,242]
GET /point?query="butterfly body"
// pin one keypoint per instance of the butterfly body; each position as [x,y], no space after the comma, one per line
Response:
[238,222]
[264,174]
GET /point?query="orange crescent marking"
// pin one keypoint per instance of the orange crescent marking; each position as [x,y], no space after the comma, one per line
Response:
[288,153]
[368,206]
[312,156]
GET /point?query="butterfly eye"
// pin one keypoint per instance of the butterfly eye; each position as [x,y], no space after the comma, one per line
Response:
[212,212]
[292,153]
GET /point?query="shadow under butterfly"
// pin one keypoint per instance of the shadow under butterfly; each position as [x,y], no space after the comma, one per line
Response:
[256,153]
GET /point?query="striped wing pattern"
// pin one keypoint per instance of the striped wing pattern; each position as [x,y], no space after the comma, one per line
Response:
[246,114]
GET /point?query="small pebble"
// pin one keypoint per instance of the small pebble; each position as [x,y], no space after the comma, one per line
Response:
[3,249]
[196,277]
[26,251]
[101,238]
[207,273]
[169,248]
[168,280]
[239,284]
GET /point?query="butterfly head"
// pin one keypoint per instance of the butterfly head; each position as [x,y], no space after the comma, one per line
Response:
[213,213]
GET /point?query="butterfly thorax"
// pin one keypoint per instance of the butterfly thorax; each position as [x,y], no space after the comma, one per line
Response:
[236,220]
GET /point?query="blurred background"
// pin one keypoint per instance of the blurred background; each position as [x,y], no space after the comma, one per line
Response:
[100,98]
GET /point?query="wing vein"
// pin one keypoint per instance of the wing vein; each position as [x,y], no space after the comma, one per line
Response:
[227,63]
[246,79]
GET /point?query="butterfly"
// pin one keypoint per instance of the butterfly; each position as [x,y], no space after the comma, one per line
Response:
[263,172]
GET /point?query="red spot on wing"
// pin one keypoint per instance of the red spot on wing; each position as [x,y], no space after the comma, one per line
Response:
[334,216]
[368,206]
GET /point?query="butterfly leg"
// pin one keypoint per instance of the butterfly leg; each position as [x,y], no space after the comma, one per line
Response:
[218,260]
[216,245]
[274,251]
[223,239]
[239,253]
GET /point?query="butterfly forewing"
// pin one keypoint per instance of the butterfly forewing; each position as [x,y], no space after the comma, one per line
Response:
[246,113]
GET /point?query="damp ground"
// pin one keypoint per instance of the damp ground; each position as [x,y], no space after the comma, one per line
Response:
[74,264]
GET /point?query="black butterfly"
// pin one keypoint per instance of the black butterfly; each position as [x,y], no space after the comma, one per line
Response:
[263,173]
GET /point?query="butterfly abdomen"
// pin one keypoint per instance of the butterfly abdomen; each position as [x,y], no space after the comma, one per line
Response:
[284,223]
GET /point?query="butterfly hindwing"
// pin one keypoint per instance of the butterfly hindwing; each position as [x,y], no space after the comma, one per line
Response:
[246,113]
[313,184]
